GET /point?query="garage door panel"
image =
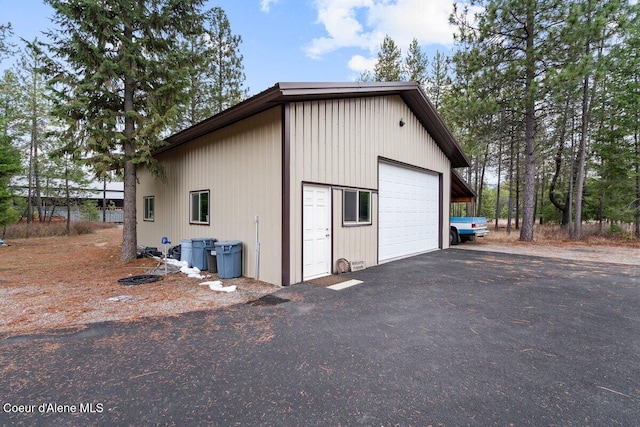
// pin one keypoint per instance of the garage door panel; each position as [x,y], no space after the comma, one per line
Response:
[409,214]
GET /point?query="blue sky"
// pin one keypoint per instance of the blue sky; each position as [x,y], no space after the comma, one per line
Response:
[299,40]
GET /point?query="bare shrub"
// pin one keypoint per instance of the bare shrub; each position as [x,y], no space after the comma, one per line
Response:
[53,229]
[555,234]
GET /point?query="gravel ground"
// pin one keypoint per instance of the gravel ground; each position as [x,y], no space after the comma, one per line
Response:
[575,251]
[68,282]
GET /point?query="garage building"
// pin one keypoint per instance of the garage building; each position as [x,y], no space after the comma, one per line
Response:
[356,171]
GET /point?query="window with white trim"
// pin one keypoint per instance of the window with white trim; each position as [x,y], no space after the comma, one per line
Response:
[199,207]
[356,207]
[149,208]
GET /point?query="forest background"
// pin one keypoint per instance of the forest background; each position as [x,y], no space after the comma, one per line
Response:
[543,96]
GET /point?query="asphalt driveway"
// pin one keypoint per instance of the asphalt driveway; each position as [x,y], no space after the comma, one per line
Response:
[448,338]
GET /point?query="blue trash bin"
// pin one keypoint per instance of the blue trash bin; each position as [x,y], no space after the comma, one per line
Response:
[229,258]
[199,252]
[186,251]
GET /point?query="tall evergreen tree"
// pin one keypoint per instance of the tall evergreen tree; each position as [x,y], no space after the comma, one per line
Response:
[120,74]
[517,38]
[216,73]
[415,64]
[389,65]
[590,26]
[229,79]
[10,164]
[36,108]
[438,79]
[5,47]
[616,141]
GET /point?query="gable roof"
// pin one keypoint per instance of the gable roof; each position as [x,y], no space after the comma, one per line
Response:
[411,92]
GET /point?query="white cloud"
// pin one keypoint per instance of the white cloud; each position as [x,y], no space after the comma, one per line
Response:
[364,23]
[341,23]
[265,5]
[360,64]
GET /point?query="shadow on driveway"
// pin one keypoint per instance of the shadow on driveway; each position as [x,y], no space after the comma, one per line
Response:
[450,337]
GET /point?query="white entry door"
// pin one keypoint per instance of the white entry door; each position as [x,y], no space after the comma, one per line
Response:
[316,224]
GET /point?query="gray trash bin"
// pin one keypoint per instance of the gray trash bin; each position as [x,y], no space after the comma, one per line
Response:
[229,257]
[186,251]
[212,262]
[199,253]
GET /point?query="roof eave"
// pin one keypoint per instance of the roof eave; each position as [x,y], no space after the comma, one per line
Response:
[256,104]
[427,114]
[411,92]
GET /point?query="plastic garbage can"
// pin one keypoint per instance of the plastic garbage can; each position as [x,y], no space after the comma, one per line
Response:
[186,251]
[175,252]
[199,253]
[212,262]
[229,257]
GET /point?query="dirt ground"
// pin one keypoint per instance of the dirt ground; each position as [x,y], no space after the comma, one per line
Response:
[65,282]
[614,252]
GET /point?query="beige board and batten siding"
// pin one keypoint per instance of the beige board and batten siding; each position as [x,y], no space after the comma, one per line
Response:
[354,243]
[339,143]
[241,165]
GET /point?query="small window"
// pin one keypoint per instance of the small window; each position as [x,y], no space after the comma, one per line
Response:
[199,207]
[356,207]
[149,208]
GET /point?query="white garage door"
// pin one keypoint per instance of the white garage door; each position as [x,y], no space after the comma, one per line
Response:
[409,212]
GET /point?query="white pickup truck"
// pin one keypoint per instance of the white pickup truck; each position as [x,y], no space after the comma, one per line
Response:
[465,228]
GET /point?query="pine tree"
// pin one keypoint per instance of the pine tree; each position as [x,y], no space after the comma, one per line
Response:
[616,143]
[415,64]
[119,75]
[590,26]
[438,80]
[36,107]
[216,75]
[10,164]
[389,65]
[229,79]
[5,47]
[515,39]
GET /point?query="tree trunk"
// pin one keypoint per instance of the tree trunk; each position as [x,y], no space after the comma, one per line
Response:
[636,165]
[518,191]
[30,189]
[478,207]
[572,177]
[558,167]
[510,199]
[498,186]
[601,211]
[68,198]
[582,160]
[35,142]
[129,237]
[540,206]
[38,186]
[529,190]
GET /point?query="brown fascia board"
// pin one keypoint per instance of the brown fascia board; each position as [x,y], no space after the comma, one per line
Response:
[256,104]
[459,187]
[432,121]
[411,92]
